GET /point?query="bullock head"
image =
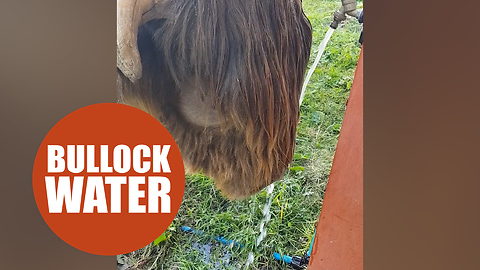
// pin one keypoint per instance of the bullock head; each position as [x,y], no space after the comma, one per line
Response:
[223,76]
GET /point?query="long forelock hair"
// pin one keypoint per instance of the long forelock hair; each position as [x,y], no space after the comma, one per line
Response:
[242,60]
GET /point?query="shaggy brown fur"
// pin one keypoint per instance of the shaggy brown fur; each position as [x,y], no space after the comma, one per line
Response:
[224,77]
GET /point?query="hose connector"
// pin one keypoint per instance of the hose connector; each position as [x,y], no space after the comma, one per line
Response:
[338,16]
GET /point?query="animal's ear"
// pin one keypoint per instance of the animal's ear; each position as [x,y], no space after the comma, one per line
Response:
[129,17]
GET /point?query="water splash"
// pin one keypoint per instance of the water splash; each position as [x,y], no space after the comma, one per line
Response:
[263,228]
[249,260]
[321,49]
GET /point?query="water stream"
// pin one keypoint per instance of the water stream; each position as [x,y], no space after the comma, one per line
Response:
[321,49]
[263,228]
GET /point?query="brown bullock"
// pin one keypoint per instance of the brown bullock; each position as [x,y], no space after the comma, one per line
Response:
[223,76]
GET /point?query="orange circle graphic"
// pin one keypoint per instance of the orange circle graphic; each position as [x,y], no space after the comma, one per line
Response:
[108,179]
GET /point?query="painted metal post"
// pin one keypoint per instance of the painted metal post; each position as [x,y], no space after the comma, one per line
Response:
[339,237]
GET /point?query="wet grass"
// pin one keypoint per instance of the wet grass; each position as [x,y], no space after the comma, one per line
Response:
[297,199]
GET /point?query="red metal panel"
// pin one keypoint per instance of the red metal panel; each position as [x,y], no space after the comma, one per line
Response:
[339,238]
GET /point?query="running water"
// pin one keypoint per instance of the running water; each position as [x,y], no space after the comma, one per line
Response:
[321,49]
[263,228]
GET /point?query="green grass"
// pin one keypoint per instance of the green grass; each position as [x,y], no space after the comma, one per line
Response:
[297,199]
